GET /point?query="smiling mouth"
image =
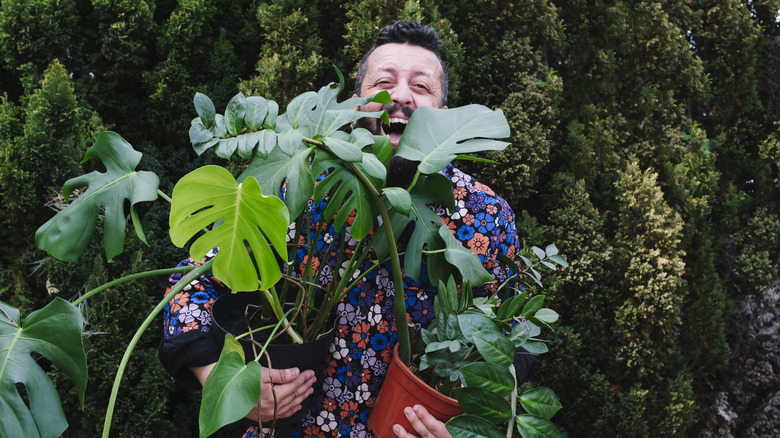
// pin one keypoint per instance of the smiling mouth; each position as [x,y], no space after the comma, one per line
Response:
[396,126]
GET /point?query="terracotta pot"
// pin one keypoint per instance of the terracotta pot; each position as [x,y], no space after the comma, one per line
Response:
[306,356]
[400,389]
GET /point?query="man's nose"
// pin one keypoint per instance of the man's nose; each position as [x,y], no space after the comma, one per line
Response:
[402,94]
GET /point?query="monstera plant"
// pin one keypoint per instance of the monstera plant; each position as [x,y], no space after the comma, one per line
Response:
[305,154]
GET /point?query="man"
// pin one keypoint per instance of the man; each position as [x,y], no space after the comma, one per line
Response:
[405,62]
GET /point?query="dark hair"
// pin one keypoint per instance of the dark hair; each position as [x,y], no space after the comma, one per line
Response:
[407,32]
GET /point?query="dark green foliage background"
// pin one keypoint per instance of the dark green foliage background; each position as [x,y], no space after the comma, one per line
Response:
[640,146]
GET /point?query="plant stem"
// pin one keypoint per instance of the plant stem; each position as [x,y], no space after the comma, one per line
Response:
[164,196]
[131,277]
[277,309]
[513,403]
[184,281]
[399,302]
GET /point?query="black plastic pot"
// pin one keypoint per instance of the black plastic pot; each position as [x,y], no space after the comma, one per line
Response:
[308,356]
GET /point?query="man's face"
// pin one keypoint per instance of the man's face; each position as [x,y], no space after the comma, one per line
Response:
[412,76]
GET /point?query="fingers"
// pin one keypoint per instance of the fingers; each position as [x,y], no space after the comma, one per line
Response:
[279,375]
[288,390]
[423,423]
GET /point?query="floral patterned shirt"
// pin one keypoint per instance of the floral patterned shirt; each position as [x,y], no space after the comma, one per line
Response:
[353,370]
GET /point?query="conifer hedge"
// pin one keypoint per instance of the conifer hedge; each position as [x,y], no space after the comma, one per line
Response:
[641,146]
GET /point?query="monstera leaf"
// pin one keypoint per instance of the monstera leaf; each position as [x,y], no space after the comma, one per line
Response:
[279,172]
[434,190]
[434,137]
[324,114]
[65,236]
[209,195]
[231,390]
[53,332]
[346,193]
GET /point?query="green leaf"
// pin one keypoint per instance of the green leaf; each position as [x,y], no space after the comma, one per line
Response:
[247,143]
[559,260]
[434,189]
[546,315]
[271,118]
[53,332]
[277,168]
[533,329]
[139,231]
[231,390]
[205,109]
[511,307]
[434,136]
[471,323]
[551,250]
[539,253]
[519,334]
[343,149]
[226,147]
[234,114]
[495,348]
[540,401]
[256,111]
[290,141]
[536,347]
[299,108]
[219,129]
[476,159]
[533,305]
[66,235]
[399,199]
[483,404]
[199,133]
[530,426]
[203,147]
[464,259]
[266,142]
[323,115]
[490,377]
[210,194]
[346,194]
[446,301]
[469,426]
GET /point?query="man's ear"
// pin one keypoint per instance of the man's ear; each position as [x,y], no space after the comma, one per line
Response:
[444,107]
[357,108]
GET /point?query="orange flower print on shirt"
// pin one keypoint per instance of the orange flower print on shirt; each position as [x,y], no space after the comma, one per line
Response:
[360,334]
[449,224]
[479,244]
[315,263]
[484,188]
[362,348]
[179,301]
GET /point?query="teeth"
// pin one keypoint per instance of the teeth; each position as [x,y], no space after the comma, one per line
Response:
[398,120]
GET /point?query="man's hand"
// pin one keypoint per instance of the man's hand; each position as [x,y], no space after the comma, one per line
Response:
[284,389]
[423,424]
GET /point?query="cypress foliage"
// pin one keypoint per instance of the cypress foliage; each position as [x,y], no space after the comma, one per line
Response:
[640,146]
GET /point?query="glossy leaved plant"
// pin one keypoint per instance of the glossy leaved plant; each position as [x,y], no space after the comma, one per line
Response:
[307,153]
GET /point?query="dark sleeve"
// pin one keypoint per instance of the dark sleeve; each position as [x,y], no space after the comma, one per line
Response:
[524,364]
[178,353]
[187,339]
